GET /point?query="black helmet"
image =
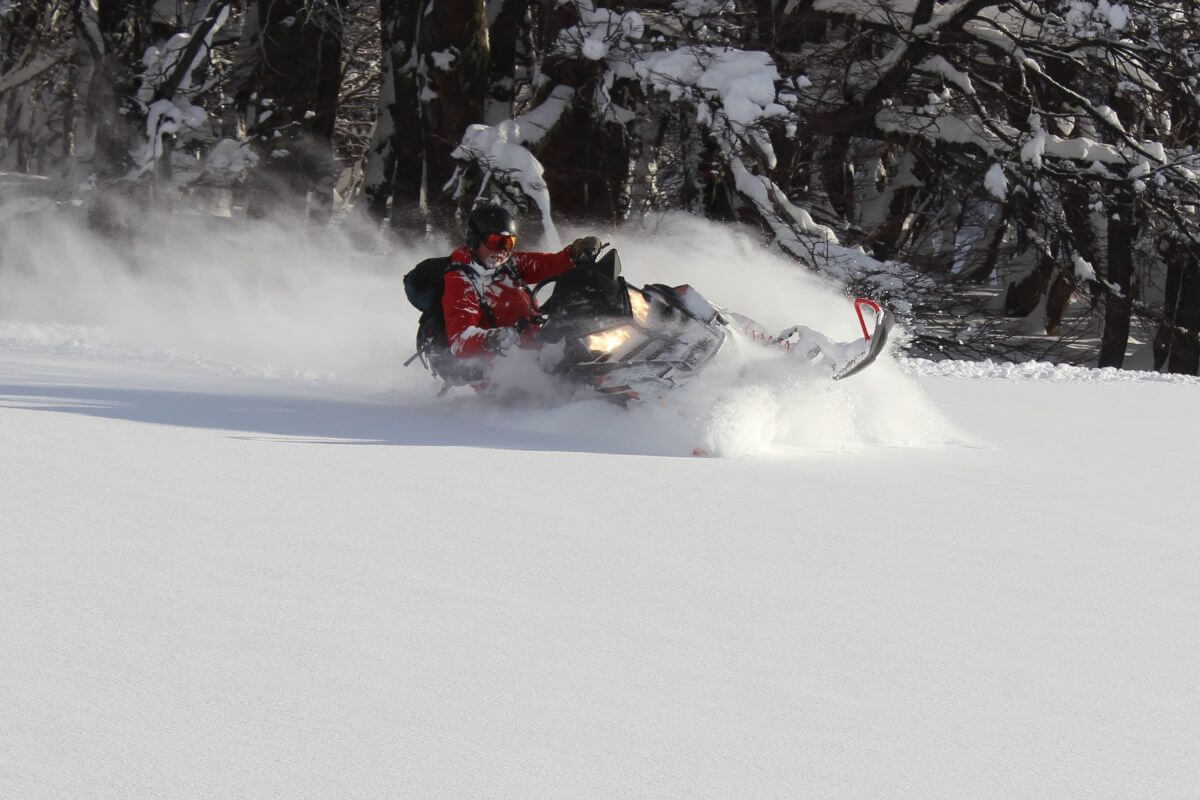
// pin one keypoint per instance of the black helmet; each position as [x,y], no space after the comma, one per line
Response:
[486,219]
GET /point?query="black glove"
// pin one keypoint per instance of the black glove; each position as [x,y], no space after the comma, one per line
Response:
[499,340]
[586,246]
[526,323]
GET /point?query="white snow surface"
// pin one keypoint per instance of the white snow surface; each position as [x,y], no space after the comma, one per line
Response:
[245,553]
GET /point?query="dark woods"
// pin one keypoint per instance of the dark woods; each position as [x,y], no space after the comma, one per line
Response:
[1018,179]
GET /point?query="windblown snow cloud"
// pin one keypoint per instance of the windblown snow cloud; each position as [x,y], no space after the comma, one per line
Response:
[264,298]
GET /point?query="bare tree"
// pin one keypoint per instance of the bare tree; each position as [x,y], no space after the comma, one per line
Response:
[292,110]
[394,162]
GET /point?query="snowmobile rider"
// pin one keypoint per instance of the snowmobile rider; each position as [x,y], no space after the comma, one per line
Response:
[489,306]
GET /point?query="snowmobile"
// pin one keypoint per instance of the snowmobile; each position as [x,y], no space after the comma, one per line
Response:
[626,342]
[598,333]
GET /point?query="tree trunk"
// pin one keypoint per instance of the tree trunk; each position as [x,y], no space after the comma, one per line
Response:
[761,35]
[1122,231]
[379,172]
[587,165]
[1077,210]
[393,171]
[110,48]
[588,161]
[297,82]
[1185,354]
[408,202]
[1022,297]
[886,239]
[111,34]
[838,176]
[992,245]
[1077,201]
[247,61]
[452,77]
[504,35]
[1058,298]
[1173,348]
[702,179]
[200,38]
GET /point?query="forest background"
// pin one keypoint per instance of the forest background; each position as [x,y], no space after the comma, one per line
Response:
[1015,179]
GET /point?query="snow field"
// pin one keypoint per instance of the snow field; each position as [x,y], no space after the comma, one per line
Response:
[223,585]
[243,553]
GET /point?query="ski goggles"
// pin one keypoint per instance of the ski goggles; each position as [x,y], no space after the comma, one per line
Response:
[500,242]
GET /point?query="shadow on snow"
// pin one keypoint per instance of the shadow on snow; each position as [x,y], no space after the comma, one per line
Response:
[297,419]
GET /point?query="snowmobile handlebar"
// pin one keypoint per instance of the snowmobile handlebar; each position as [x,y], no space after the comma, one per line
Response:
[525,323]
[585,261]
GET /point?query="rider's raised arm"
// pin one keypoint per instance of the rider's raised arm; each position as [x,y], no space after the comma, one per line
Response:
[537,267]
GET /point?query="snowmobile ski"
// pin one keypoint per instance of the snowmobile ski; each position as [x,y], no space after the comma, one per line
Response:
[842,359]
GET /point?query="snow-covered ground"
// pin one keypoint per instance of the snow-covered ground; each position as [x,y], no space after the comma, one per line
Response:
[244,553]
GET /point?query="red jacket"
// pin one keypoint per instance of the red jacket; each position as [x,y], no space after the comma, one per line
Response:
[466,323]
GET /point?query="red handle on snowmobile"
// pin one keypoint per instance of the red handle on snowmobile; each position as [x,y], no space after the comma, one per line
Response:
[859,302]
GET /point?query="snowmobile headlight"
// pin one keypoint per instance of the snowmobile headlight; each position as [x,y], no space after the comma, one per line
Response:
[639,305]
[609,340]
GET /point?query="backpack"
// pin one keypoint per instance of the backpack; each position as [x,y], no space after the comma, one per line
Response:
[423,287]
